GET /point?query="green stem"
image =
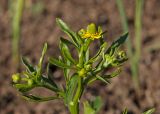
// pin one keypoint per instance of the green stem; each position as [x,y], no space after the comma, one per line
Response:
[18,10]
[74,105]
[138,31]
[138,27]
[124,25]
[126,29]
[134,59]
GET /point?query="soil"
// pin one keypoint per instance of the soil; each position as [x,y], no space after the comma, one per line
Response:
[39,26]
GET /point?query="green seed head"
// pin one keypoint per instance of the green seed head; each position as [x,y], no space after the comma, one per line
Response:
[91,28]
[16,78]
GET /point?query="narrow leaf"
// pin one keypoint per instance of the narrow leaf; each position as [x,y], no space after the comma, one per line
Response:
[66,52]
[96,103]
[58,63]
[23,87]
[50,84]
[34,98]
[99,53]
[39,67]
[71,88]
[149,111]
[102,79]
[67,42]
[29,67]
[116,44]
[68,31]
[125,111]
[88,109]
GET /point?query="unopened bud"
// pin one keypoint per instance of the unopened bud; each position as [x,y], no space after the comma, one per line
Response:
[88,67]
[82,72]
[91,28]
[30,82]
[16,78]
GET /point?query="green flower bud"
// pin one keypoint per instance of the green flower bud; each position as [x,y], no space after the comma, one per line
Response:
[91,28]
[108,60]
[122,55]
[16,78]
[88,67]
[81,32]
[82,72]
[30,82]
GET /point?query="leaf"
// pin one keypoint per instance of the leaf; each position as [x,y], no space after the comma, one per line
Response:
[67,42]
[92,107]
[34,98]
[29,67]
[58,63]
[102,79]
[39,67]
[81,57]
[125,111]
[88,109]
[116,44]
[71,87]
[97,103]
[23,87]
[50,84]
[66,52]
[68,31]
[99,53]
[149,111]
[66,72]
[113,74]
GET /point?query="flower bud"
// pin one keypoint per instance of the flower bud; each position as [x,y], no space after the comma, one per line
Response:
[30,82]
[91,28]
[82,72]
[88,67]
[122,55]
[108,60]
[16,78]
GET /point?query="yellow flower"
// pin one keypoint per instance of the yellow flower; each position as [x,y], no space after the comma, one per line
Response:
[92,32]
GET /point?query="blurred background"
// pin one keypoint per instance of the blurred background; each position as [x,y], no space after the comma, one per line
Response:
[25,26]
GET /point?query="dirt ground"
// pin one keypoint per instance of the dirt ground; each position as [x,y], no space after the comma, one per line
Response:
[39,27]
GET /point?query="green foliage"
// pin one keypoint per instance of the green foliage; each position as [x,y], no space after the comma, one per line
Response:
[150,111]
[133,55]
[78,72]
[92,107]
[16,12]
